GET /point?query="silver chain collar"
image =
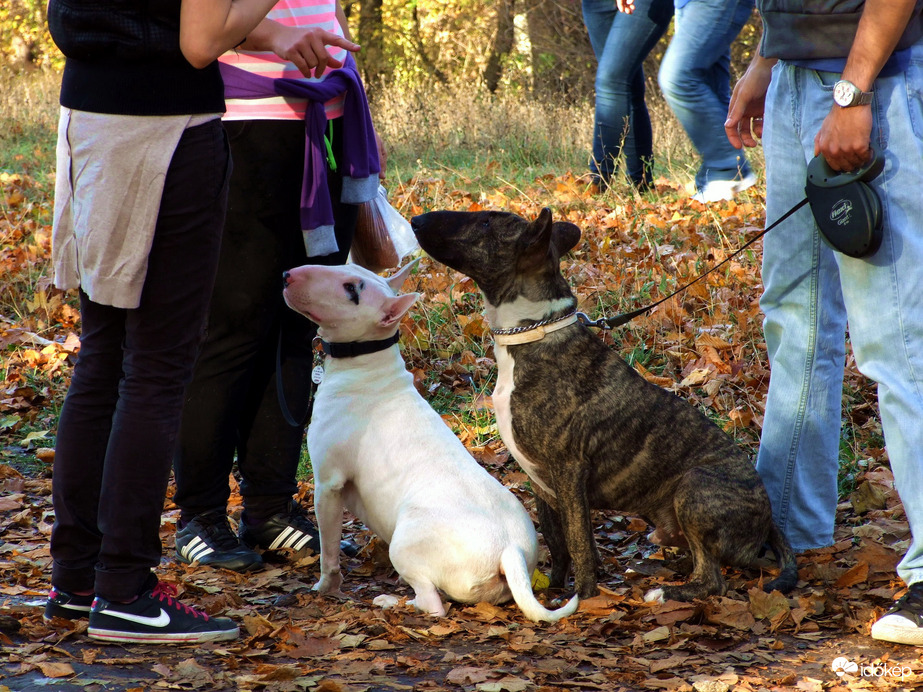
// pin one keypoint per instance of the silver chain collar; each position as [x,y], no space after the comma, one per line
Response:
[530,327]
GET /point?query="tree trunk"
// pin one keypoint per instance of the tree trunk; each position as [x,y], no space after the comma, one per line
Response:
[428,64]
[502,45]
[371,38]
[562,60]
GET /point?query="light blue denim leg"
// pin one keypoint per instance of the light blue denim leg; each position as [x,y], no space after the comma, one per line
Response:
[695,79]
[884,296]
[805,330]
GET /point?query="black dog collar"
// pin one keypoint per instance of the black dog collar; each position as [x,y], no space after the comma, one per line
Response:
[351,349]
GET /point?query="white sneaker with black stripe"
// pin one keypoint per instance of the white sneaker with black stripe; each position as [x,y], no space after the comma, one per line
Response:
[208,540]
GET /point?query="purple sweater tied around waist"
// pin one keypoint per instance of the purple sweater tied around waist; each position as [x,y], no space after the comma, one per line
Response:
[358,162]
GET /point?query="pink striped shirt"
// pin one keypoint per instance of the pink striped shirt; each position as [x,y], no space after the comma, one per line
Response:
[299,13]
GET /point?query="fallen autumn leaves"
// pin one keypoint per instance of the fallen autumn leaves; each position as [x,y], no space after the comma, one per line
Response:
[704,344]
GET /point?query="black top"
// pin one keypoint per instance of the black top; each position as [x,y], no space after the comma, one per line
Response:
[123,57]
[820,29]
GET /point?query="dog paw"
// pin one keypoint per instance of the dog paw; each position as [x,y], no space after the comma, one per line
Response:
[329,584]
[386,601]
[654,596]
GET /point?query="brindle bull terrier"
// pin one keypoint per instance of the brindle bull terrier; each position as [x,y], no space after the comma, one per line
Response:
[588,430]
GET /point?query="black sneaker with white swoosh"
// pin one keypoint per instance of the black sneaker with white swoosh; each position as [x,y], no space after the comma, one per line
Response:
[61,604]
[156,617]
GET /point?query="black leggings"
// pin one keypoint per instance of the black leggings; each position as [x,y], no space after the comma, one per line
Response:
[119,423]
[231,406]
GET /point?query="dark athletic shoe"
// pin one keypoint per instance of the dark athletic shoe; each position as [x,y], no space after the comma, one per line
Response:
[208,540]
[65,605]
[903,624]
[156,617]
[291,532]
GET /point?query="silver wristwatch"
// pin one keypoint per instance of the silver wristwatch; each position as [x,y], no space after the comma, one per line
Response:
[846,94]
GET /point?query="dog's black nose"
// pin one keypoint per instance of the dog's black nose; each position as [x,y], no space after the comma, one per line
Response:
[285,278]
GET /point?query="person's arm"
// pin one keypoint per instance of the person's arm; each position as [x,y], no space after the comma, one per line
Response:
[844,137]
[207,28]
[748,102]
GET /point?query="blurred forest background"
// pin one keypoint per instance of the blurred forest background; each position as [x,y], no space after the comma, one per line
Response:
[536,47]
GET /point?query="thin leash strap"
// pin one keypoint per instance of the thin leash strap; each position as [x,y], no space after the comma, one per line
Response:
[283,405]
[619,320]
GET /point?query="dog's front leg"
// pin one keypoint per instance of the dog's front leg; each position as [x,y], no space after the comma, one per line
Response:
[553,532]
[328,507]
[574,508]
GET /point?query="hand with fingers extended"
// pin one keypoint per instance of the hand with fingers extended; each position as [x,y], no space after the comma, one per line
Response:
[307,48]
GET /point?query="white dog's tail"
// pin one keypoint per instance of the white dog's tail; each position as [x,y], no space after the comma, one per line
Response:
[517,574]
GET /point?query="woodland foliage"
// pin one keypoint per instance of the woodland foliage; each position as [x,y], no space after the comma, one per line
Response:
[538,46]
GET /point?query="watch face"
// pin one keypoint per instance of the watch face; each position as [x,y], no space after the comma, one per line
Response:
[843,93]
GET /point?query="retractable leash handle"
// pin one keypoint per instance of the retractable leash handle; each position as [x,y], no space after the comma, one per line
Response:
[846,208]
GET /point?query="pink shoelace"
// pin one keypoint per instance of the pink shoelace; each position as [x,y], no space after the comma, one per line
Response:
[167,592]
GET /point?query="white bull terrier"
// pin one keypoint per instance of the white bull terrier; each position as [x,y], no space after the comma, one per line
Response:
[378,449]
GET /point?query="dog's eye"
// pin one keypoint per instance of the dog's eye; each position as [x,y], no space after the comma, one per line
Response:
[353,292]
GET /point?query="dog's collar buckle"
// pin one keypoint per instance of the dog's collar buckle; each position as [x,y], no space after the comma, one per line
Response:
[601,323]
[532,332]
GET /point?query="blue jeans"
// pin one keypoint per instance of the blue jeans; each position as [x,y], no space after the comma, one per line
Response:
[622,124]
[812,292]
[696,82]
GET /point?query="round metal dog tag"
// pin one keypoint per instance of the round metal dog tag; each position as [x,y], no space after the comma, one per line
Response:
[317,374]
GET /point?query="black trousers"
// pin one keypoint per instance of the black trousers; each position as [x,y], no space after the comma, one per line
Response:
[231,405]
[118,427]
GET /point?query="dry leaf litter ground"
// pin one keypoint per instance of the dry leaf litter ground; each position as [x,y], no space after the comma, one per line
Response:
[705,345]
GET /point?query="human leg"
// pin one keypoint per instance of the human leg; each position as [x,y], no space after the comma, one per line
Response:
[243,314]
[695,79]
[884,295]
[621,42]
[162,336]
[80,449]
[261,237]
[270,447]
[804,327]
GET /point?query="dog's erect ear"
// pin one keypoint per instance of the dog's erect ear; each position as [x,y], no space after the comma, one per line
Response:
[565,236]
[546,234]
[539,241]
[397,280]
[396,308]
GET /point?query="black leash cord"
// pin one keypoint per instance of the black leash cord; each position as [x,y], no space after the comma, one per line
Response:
[283,405]
[619,320]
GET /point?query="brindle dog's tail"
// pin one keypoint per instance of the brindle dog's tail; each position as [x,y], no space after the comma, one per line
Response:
[785,557]
[514,566]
